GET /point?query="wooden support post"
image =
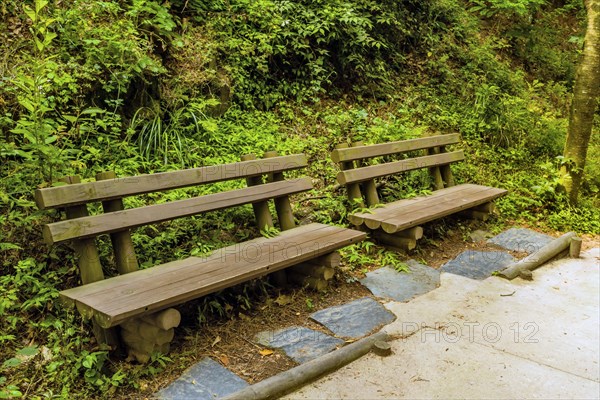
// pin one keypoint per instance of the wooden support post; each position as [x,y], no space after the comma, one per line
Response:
[399,242]
[446,171]
[167,319]
[438,181]
[534,260]
[416,233]
[309,281]
[122,245]
[264,219]
[481,212]
[575,247]
[316,271]
[369,186]
[353,189]
[474,214]
[328,260]
[282,204]
[261,209]
[321,268]
[90,268]
[145,335]
[485,207]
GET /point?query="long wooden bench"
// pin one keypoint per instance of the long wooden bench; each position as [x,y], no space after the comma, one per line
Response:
[397,224]
[133,300]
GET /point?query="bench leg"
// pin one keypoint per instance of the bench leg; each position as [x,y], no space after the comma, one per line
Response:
[481,212]
[108,337]
[395,241]
[279,278]
[146,335]
[316,273]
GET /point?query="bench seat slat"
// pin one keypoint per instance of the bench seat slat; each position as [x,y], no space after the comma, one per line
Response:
[384,149]
[404,214]
[114,300]
[88,192]
[120,220]
[376,171]
[373,218]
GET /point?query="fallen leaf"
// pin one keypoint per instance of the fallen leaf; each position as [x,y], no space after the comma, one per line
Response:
[224,359]
[283,300]
[217,340]
[243,316]
[266,352]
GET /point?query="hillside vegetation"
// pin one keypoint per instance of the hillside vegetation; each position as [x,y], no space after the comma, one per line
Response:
[143,86]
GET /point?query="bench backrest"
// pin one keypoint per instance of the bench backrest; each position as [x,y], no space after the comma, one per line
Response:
[264,178]
[360,178]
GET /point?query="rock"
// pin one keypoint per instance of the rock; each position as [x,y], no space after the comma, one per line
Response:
[479,235]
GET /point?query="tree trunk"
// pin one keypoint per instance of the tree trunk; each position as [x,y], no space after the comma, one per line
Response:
[583,107]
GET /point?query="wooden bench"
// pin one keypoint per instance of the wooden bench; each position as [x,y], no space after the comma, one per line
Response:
[133,300]
[397,224]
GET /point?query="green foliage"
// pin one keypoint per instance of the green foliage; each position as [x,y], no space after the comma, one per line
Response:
[490,8]
[278,49]
[8,391]
[365,255]
[164,134]
[269,231]
[37,132]
[109,50]
[30,289]
[309,304]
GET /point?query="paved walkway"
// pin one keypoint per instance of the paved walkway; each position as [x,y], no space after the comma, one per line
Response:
[487,339]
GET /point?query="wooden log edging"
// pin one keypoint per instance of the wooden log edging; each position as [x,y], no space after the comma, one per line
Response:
[575,247]
[296,377]
[538,258]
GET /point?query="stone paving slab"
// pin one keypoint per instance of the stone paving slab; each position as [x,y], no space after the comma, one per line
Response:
[388,283]
[299,343]
[207,380]
[478,264]
[355,319]
[521,239]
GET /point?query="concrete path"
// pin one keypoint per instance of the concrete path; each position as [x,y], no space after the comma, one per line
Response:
[489,339]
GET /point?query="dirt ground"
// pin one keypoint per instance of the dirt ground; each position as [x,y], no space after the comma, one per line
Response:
[230,341]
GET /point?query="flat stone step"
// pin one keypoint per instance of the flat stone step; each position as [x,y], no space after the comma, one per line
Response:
[521,239]
[478,264]
[207,380]
[355,319]
[388,283]
[299,343]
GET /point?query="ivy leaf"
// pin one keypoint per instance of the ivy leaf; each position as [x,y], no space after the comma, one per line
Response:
[28,351]
[11,362]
